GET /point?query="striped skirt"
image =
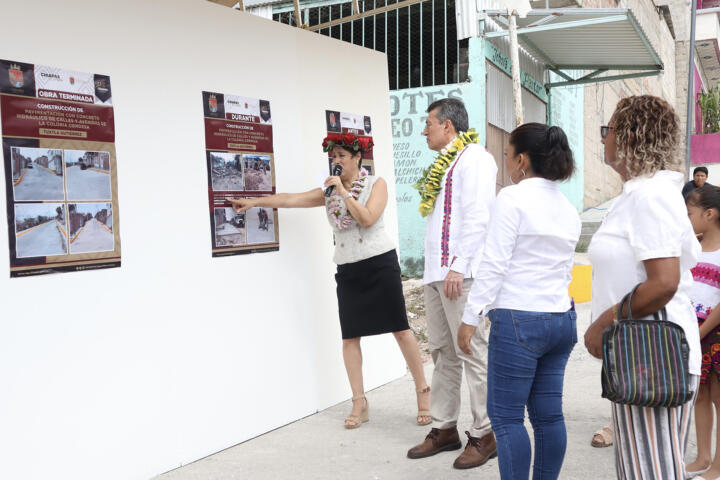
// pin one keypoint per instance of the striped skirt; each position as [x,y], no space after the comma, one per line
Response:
[650,443]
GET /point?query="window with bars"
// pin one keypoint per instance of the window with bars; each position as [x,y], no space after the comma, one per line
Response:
[420,40]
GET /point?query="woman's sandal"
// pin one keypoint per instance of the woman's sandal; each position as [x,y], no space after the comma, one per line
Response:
[603,437]
[364,415]
[424,413]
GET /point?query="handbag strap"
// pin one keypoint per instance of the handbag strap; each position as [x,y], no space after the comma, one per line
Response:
[660,315]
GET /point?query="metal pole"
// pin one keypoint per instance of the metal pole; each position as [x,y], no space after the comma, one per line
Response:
[515,69]
[691,87]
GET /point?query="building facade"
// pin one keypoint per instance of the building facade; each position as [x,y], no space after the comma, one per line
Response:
[450,48]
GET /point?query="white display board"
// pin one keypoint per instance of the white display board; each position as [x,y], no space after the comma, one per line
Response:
[129,372]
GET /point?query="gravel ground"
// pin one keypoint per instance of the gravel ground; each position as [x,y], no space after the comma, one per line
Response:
[415,305]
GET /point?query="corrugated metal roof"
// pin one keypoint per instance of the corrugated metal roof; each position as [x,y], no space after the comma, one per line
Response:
[528,63]
[261,3]
[466,19]
[500,108]
[586,39]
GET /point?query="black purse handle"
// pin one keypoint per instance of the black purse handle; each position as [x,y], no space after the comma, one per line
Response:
[660,315]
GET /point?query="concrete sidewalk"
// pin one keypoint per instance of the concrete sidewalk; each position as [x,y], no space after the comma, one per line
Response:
[319,448]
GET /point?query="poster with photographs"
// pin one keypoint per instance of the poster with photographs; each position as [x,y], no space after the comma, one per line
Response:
[359,125]
[240,163]
[58,141]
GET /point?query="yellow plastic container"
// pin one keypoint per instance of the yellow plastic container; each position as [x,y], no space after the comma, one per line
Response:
[580,285]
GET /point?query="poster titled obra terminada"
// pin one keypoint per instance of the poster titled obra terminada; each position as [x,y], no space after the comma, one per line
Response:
[58,140]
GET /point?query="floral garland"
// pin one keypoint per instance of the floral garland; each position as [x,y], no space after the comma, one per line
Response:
[347,140]
[338,211]
[430,182]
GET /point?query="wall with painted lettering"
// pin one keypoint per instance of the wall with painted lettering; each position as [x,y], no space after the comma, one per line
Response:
[412,155]
[567,112]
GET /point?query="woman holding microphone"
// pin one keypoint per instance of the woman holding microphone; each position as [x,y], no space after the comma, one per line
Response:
[369,288]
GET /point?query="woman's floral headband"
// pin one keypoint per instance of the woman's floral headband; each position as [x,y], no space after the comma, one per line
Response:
[347,140]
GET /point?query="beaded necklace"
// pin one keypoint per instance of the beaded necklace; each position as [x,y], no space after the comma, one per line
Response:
[337,210]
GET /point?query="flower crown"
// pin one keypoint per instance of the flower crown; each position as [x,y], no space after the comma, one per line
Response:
[347,140]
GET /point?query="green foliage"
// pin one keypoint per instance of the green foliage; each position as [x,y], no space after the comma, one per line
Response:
[710,107]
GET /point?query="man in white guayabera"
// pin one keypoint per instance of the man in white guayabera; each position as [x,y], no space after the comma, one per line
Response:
[456,194]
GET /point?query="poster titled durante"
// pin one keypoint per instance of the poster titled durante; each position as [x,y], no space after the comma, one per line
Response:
[240,163]
[58,140]
[358,125]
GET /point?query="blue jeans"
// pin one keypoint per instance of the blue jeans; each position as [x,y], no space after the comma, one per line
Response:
[527,355]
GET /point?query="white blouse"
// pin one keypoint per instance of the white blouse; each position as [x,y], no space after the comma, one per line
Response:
[528,256]
[705,291]
[648,220]
[456,227]
[356,243]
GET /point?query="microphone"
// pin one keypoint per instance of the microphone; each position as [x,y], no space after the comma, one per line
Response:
[336,171]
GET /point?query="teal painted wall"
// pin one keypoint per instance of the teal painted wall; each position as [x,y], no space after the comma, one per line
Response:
[567,108]
[412,154]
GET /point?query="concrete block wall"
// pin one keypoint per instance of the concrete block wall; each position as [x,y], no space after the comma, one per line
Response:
[681,54]
[601,182]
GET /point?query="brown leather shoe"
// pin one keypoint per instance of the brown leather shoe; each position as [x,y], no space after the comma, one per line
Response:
[436,441]
[477,451]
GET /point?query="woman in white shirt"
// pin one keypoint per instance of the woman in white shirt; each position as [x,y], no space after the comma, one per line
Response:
[522,284]
[646,238]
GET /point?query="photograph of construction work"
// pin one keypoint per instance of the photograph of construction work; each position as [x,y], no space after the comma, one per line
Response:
[40,229]
[226,171]
[260,225]
[37,173]
[88,175]
[257,172]
[91,227]
[230,228]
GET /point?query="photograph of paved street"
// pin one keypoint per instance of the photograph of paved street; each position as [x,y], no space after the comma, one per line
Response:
[257,172]
[260,225]
[88,175]
[90,227]
[37,173]
[226,171]
[40,229]
[230,229]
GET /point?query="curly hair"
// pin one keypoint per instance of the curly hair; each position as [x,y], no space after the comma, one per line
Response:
[646,133]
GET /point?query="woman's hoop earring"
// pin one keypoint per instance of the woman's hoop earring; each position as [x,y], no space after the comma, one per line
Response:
[523,172]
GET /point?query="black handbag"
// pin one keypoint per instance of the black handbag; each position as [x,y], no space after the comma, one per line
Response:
[645,362]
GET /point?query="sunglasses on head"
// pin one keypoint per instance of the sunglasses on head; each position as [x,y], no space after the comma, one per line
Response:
[604,130]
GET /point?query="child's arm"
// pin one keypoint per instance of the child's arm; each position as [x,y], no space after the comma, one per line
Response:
[712,321]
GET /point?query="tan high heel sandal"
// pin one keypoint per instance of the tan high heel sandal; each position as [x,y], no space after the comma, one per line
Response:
[364,415]
[423,413]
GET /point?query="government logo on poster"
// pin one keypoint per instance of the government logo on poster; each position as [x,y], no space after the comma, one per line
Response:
[212,104]
[16,76]
[102,87]
[265,110]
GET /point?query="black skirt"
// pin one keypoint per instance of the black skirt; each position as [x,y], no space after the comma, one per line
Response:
[370,296]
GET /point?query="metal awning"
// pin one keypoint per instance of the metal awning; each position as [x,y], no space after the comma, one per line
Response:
[707,44]
[599,40]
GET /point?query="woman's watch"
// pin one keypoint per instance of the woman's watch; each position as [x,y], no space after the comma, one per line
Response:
[348,195]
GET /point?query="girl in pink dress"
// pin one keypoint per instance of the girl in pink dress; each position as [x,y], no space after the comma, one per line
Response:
[704,211]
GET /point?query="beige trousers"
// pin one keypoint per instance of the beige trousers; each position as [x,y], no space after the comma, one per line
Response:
[444,319]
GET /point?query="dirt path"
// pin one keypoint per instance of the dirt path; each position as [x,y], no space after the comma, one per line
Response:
[415,306]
